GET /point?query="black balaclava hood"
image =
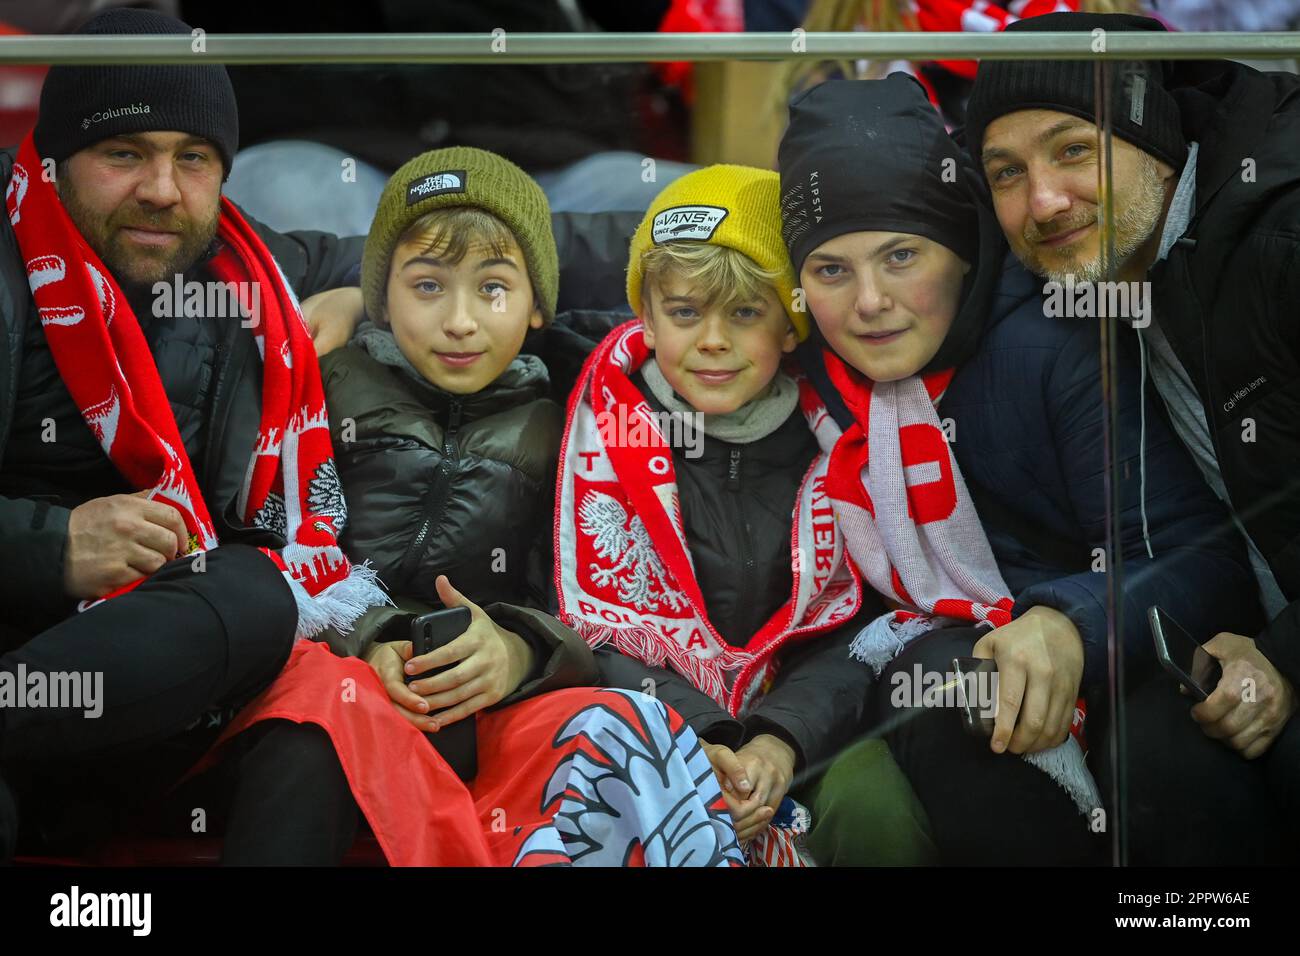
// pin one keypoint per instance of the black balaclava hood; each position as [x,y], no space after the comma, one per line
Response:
[873,155]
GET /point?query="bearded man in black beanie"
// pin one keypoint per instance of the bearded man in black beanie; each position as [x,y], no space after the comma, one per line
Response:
[1207,216]
[137,156]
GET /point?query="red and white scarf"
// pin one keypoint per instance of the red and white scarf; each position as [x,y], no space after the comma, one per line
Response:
[623,569]
[912,530]
[291,486]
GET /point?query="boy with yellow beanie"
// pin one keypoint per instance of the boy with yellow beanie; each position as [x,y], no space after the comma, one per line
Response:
[690,446]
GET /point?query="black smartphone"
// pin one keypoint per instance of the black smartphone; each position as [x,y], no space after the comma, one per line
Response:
[977,693]
[458,743]
[434,630]
[1180,654]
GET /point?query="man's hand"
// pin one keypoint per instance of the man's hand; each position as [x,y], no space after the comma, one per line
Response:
[115,540]
[1040,664]
[493,662]
[332,317]
[1252,702]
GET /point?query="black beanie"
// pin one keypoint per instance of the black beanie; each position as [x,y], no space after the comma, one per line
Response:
[81,105]
[1143,112]
[872,155]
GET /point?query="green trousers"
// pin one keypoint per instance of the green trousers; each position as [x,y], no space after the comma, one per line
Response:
[865,813]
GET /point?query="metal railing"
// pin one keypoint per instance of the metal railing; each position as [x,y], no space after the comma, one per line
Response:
[507,47]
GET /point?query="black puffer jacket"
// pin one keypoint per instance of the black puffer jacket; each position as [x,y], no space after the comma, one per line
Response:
[737,501]
[1228,297]
[445,484]
[458,485]
[210,371]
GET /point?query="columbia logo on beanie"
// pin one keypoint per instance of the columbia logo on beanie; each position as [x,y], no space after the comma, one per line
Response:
[135,109]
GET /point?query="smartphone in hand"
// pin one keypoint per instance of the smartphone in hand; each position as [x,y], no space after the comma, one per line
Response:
[458,743]
[1182,656]
[977,693]
[434,630]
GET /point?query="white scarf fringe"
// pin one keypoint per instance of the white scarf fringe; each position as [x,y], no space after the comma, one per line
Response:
[339,605]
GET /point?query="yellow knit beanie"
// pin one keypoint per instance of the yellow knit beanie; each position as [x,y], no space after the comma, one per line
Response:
[734,206]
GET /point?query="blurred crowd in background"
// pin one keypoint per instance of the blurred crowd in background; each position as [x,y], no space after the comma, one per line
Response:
[583,130]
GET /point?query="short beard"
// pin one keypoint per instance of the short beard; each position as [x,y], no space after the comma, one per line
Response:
[137,272]
[1134,225]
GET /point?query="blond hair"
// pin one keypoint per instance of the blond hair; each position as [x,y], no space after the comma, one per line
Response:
[721,275]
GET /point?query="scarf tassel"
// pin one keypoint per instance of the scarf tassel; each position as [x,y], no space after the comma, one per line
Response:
[1066,765]
[882,640]
[339,605]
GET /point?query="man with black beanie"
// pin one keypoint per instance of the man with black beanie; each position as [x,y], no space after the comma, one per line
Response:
[137,155]
[1207,213]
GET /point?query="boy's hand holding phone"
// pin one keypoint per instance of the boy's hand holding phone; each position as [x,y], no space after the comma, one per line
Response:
[489,661]
[387,659]
[489,664]
[1248,726]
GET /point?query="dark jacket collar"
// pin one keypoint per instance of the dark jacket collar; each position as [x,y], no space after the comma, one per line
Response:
[1226,107]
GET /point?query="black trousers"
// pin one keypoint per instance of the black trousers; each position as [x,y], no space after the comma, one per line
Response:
[177,656]
[1190,800]
[985,809]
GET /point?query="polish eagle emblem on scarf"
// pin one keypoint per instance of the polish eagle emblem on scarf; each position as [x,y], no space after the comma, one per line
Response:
[636,566]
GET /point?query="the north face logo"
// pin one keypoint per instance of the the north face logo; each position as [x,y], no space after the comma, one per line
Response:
[448,181]
[687,222]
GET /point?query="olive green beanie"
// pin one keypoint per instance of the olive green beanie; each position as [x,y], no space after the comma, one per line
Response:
[462,176]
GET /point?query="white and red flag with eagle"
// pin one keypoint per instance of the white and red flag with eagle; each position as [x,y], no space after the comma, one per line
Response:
[291,486]
[623,569]
[913,532]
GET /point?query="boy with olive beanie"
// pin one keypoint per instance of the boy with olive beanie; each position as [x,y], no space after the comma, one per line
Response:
[447,442]
[441,422]
[687,452]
